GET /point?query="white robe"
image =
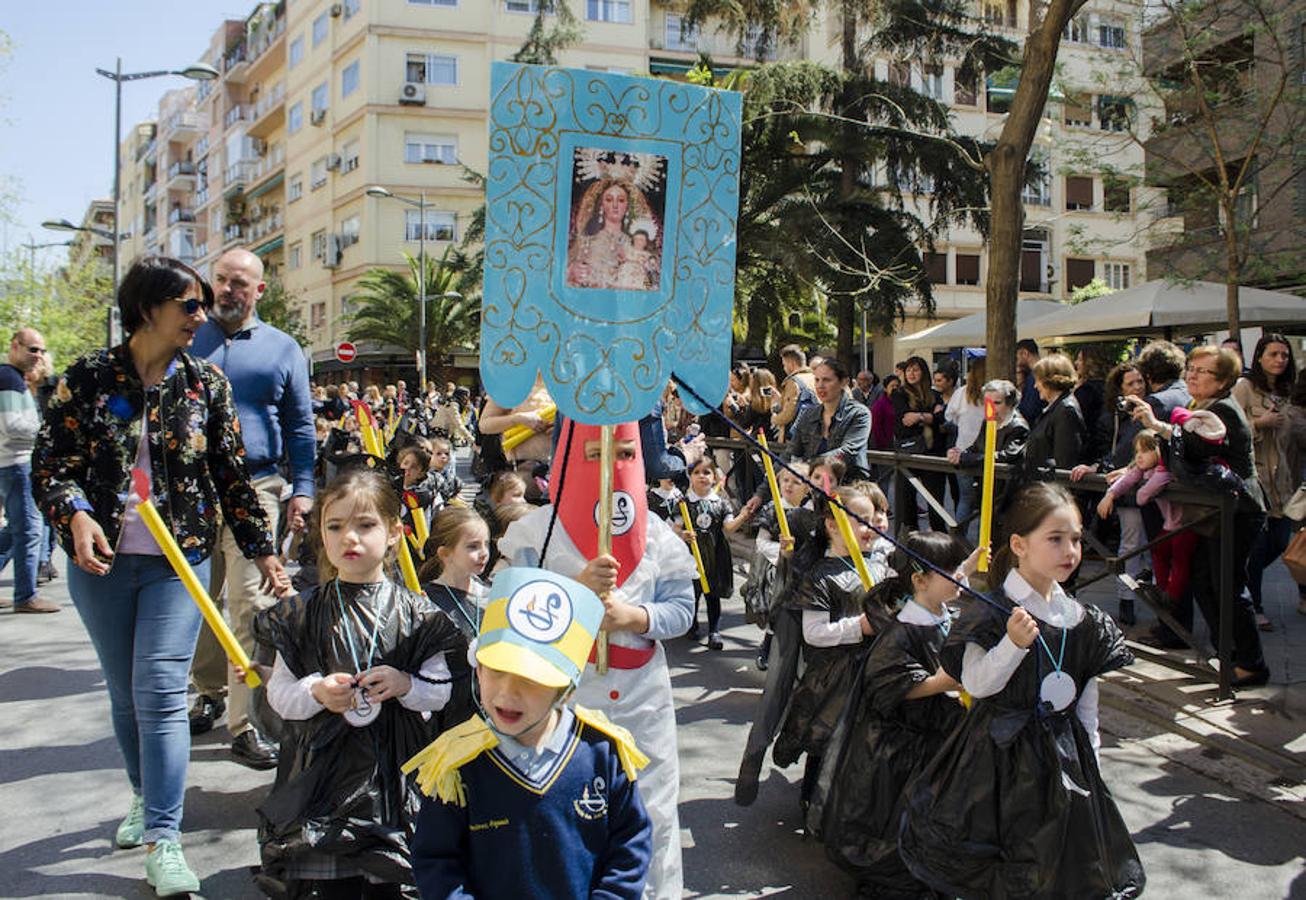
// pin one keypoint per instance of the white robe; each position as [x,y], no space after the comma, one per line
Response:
[642,702]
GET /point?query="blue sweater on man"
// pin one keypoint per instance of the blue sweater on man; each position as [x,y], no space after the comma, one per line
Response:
[269,382]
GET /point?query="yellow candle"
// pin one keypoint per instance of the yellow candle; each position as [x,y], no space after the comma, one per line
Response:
[986,500]
[420,529]
[168,544]
[517,435]
[693,545]
[780,516]
[408,569]
[850,541]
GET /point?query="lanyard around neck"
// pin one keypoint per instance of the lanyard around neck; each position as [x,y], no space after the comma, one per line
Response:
[349,634]
[476,624]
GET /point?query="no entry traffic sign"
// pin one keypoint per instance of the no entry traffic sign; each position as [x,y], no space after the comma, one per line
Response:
[345,352]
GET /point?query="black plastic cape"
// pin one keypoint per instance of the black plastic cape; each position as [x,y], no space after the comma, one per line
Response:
[338,790]
[759,592]
[831,587]
[713,544]
[1013,804]
[882,741]
[460,607]
[783,663]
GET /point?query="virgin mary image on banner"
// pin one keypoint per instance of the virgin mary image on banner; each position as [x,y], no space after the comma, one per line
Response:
[618,204]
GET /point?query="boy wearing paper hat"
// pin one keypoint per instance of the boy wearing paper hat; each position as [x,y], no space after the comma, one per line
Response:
[536,790]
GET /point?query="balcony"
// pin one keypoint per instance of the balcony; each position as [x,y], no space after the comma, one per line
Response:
[717,44]
[181,175]
[201,147]
[232,233]
[234,66]
[202,196]
[147,151]
[181,125]
[266,46]
[202,250]
[269,224]
[238,175]
[151,189]
[240,112]
[181,214]
[269,112]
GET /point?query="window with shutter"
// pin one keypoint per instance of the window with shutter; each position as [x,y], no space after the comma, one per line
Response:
[936,268]
[967,265]
[1078,111]
[1079,192]
[1079,272]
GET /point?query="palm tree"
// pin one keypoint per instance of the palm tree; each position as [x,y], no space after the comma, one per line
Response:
[386,309]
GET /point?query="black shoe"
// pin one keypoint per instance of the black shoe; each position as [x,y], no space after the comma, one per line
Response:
[1162,640]
[253,750]
[1127,616]
[1255,679]
[205,712]
[46,573]
[764,653]
[714,641]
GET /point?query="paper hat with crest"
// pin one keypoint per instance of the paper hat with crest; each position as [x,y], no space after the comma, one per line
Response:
[539,625]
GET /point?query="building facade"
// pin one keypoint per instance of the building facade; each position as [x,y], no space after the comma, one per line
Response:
[320,100]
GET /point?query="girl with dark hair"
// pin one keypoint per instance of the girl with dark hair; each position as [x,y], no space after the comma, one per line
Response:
[902,708]
[918,428]
[1264,397]
[148,405]
[1013,804]
[710,515]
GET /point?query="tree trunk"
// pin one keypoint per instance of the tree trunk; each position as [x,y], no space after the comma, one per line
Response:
[1232,275]
[848,173]
[1006,165]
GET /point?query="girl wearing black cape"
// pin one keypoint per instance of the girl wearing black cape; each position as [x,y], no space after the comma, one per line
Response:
[1013,804]
[899,714]
[361,663]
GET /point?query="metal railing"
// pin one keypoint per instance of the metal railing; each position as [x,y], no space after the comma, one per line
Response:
[1213,507]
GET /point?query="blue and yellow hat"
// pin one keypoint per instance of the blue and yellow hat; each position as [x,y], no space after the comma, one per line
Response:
[539,625]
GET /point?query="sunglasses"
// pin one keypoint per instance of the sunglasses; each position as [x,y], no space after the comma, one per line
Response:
[192,305]
[35,349]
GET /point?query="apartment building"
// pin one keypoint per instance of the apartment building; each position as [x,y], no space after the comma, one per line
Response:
[319,100]
[87,246]
[1247,66]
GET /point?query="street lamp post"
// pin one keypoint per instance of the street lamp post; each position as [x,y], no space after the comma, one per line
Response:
[195,72]
[420,203]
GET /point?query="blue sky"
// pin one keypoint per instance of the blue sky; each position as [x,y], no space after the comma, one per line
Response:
[56,114]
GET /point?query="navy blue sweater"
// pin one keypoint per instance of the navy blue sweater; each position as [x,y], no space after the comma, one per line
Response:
[581,831]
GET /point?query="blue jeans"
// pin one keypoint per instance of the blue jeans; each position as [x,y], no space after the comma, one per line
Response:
[144,626]
[20,539]
[967,503]
[1269,545]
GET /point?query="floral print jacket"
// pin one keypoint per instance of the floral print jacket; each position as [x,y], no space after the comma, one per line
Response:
[89,440]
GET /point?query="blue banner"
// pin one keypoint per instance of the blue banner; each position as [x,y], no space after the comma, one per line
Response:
[609,239]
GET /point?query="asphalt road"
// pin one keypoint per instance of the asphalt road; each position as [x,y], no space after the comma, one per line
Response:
[64,792]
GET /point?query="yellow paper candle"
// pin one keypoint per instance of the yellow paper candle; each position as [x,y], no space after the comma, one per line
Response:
[986,500]
[780,516]
[407,568]
[849,540]
[693,545]
[517,435]
[168,544]
[420,528]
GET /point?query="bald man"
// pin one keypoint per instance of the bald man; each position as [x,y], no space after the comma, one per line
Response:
[269,382]
[20,420]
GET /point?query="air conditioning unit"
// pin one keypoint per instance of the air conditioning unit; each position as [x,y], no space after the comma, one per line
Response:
[332,257]
[317,117]
[336,10]
[333,162]
[413,94]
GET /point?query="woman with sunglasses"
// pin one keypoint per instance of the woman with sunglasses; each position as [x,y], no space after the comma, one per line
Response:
[148,404]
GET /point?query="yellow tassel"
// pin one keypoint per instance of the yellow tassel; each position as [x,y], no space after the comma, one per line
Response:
[437,764]
[632,758]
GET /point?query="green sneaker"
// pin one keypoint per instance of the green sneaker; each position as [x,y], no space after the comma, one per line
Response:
[131,833]
[166,871]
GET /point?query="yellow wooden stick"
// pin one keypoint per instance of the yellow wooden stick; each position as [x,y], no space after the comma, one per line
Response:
[986,499]
[420,528]
[407,568]
[212,615]
[607,452]
[849,540]
[780,516]
[693,545]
